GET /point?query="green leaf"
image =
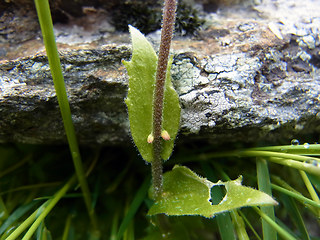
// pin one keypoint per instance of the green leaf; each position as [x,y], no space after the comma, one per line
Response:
[185,193]
[142,76]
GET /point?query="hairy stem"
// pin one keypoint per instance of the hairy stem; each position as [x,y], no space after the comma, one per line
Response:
[169,11]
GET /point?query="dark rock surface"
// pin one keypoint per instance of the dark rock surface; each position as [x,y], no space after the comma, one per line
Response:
[252,74]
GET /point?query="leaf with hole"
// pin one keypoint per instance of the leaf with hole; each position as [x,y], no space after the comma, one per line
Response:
[186,193]
[142,77]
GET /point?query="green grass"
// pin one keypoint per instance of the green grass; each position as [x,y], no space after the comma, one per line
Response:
[121,201]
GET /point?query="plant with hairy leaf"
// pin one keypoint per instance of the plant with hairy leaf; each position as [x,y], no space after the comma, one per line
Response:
[154,114]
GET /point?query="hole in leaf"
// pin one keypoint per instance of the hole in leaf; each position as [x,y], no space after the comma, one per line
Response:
[217,194]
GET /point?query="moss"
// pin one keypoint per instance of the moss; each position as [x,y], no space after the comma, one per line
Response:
[188,21]
[146,16]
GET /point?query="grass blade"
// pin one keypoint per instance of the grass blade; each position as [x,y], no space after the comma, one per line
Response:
[315,180]
[310,187]
[114,227]
[51,203]
[307,167]
[274,225]
[225,226]
[46,25]
[297,196]
[43,233]
[67,228]
[239,225]
[293,211]
[3,211]
[249,225]
[15,166]
[136,203]
[264,185]
[26,223]
[38,216]
[17,214]
[305,149]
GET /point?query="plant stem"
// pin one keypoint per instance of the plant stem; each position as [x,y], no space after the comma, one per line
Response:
[46,25]
[166,36]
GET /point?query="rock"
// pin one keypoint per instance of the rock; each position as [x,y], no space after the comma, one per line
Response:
[240,80]
[96,84]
